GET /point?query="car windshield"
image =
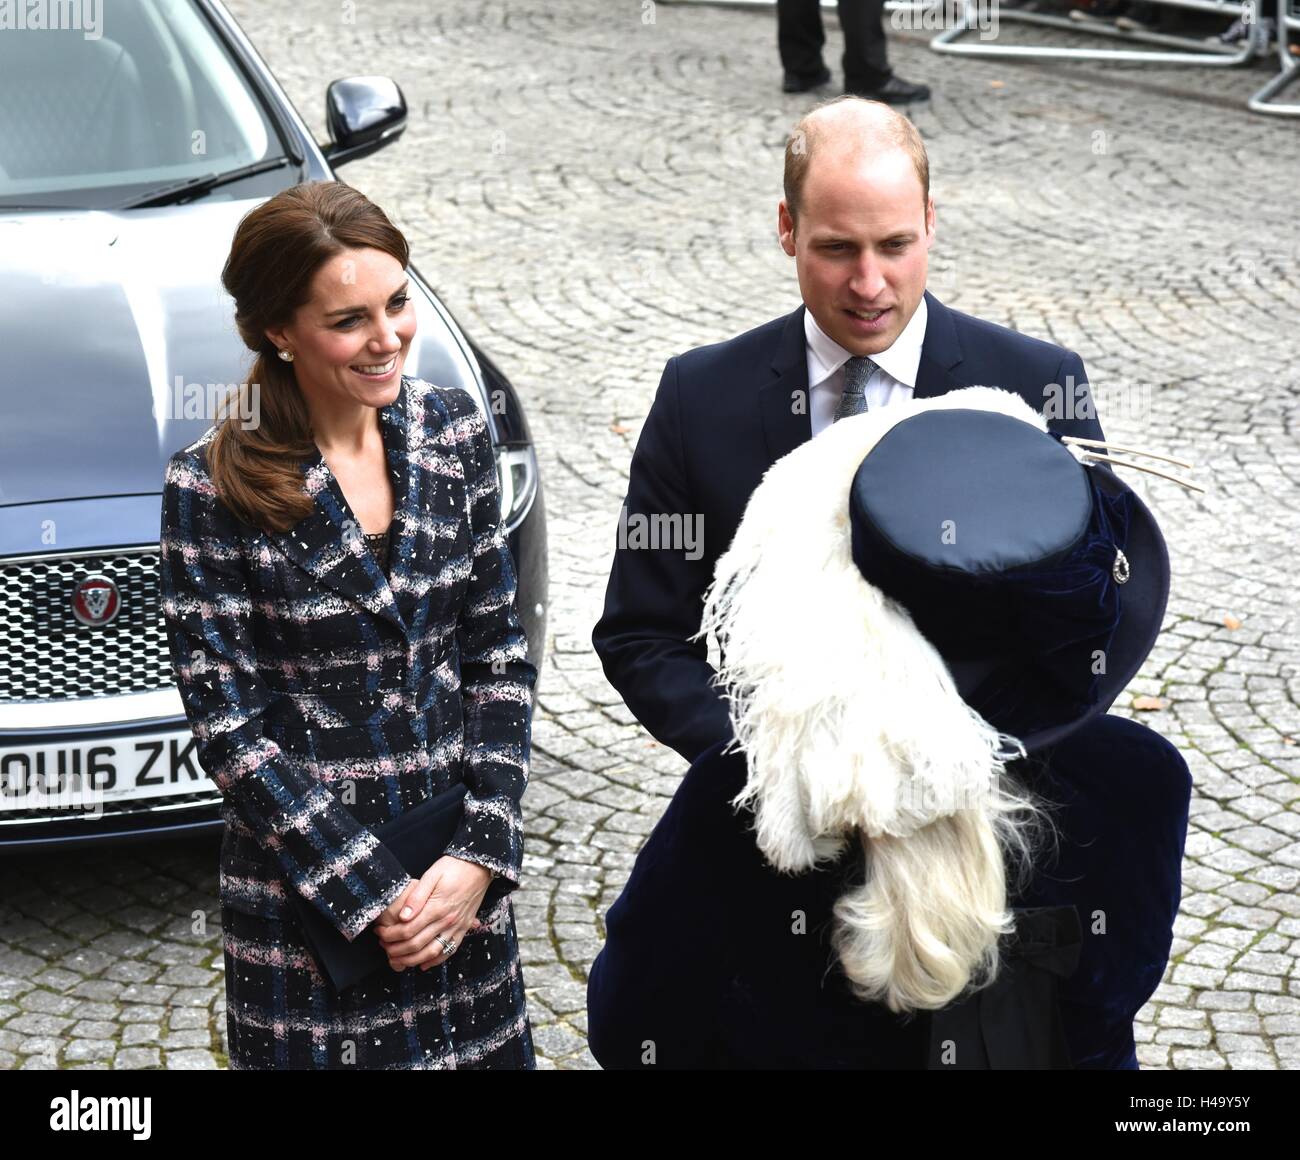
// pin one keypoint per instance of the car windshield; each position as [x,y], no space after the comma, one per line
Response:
[100,116]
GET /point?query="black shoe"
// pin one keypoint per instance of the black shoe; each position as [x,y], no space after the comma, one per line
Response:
[798,84]
[894,91]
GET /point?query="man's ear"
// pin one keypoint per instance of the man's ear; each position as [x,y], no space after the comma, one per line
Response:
[785,227]
[929,222]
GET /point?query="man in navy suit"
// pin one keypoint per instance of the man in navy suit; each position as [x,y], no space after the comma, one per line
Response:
[858,219]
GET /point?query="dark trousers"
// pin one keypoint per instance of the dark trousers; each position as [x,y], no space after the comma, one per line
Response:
[800,38]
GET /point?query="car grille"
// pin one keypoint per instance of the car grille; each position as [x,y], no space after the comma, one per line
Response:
[46,654]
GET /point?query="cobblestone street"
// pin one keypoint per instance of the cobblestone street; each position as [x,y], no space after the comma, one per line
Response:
[591,191]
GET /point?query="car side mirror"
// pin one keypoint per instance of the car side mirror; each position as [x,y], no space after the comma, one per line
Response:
[364,114]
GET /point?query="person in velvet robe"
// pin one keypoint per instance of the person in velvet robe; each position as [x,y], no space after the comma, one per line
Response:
[722,950]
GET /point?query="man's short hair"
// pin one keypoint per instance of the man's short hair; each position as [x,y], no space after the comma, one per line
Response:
[886,129]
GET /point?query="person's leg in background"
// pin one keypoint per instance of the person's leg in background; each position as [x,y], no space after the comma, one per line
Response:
[800,37]
[866,60]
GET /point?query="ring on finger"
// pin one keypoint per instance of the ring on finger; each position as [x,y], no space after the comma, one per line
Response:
[448,945]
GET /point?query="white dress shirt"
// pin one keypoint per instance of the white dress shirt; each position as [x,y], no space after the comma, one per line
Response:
[892,382]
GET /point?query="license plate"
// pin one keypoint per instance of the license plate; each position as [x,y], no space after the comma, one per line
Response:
[85,775]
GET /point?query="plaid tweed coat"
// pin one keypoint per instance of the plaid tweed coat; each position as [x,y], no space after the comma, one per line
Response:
[327,698]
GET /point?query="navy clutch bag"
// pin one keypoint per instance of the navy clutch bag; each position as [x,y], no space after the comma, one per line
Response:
[417,840]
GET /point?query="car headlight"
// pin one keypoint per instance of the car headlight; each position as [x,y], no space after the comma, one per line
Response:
[517,473]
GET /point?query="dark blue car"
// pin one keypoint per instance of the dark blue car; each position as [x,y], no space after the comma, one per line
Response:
[128,153]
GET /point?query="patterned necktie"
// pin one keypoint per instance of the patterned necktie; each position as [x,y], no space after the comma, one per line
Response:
[857,373]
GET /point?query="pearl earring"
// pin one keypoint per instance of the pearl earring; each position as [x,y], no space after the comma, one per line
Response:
[287,355]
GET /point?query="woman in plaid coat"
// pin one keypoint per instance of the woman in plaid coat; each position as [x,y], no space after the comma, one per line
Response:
[340,603]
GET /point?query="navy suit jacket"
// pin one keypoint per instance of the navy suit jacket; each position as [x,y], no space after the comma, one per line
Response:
[722,416]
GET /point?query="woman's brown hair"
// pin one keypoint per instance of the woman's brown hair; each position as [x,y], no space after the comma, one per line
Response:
[277,250]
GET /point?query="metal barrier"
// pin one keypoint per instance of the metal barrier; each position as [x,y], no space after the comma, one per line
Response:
[1287,23]
[1192,51]
[1183,50]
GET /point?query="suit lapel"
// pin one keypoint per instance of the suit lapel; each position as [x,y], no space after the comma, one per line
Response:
[940,352]
[784,400]
[329,543]
[416,551]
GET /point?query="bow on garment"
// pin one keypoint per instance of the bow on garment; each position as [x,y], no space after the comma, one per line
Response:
[1014,1023]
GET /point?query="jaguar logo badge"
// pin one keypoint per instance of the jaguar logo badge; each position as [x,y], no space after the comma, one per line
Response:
[96,601]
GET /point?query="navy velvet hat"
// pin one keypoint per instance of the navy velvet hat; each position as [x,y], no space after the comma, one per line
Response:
[1040,581]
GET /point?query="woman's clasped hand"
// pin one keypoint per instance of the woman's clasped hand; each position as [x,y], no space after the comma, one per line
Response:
[434,911]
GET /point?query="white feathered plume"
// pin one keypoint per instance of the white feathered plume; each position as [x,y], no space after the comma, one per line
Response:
[852,727]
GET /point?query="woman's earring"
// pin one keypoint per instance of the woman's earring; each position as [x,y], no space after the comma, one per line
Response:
[287,355]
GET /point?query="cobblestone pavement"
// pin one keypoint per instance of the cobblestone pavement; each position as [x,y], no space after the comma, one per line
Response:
[592,186]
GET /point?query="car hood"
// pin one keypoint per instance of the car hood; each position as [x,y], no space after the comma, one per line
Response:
[117,335]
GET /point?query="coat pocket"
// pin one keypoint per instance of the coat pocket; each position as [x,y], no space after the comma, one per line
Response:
[347,710]
[249,879]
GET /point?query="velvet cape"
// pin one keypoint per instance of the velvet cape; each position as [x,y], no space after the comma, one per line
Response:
[715,960]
